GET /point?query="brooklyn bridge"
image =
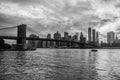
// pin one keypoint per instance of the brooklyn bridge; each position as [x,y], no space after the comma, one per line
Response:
[21,38]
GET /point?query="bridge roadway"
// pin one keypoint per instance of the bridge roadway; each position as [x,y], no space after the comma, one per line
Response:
[45,39]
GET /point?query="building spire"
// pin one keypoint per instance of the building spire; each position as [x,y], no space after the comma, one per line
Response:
[116,37]
[89,25]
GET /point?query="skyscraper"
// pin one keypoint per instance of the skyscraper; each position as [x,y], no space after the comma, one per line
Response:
[89,34]
[93,36]
[97,38]
[110,37]
[57,36]
[66,35]
[81,37]
[75,37]
[117,40]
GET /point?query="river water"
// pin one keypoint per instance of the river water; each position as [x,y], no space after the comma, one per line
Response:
[60,64]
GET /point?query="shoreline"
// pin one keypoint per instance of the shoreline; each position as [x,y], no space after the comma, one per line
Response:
[53,48]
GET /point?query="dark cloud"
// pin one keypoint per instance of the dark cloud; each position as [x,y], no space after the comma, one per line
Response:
[79,8]
[9,20]
[108,1]
[117,5]
[105,21]
[23,2]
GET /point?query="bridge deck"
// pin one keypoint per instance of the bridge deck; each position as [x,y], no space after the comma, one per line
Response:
[45,39]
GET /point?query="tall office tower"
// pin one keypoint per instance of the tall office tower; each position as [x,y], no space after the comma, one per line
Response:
[81,37]
[66,35]
[93,36]
[57,36]
[89,34]
[110,37]
[97,37]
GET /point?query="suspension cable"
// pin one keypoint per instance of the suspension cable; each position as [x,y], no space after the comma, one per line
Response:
[8,28]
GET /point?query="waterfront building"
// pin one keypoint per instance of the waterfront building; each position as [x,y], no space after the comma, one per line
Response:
[32,44]
[66,35]
[75,38]
[116,42]
[57,36]
[110,37]
[48,43]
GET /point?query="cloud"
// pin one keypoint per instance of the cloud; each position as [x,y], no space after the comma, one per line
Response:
[25,12]
[117,5]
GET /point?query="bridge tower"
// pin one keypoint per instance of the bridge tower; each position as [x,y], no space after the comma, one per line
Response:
[21,34]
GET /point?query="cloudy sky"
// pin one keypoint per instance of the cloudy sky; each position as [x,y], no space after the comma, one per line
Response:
[48,16]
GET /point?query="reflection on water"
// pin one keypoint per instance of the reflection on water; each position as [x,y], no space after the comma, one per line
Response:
[60,64]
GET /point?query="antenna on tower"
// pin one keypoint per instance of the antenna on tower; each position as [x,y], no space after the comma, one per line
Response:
[89,25]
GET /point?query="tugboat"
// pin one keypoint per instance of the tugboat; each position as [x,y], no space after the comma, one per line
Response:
[94,50]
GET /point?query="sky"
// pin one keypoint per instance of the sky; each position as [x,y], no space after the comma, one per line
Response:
[49,16]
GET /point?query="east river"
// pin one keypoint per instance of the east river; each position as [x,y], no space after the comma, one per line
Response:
[60,64]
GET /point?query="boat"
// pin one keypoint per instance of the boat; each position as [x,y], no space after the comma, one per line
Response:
[2,49]
[94,50]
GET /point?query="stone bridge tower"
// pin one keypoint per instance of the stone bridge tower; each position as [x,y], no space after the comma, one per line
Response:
[21,36]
